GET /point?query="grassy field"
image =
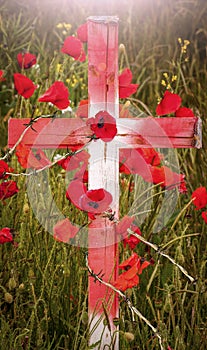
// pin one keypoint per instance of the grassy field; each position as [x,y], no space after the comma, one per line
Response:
[43,283]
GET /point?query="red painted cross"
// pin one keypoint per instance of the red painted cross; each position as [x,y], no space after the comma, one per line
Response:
[104,160]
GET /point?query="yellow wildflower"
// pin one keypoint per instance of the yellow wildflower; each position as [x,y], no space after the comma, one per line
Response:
[174,78]
[67,26]
[59,68]
[59,25]
[186,42]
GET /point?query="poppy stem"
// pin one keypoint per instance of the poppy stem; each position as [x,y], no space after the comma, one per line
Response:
[132,308]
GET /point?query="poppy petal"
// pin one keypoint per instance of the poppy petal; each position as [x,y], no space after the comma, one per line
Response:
[24,86]
[8,189]
[184,112]
[199,197]
[75,190]
[4,168]
[82,32]
[73,47]
[169,103]
[6,235]
[57,94]
[73,162]
[95,201]
[125,77]
[64,231]
[2,76]
[28,158]
[126,89]
[130,261]
[204,216]
[82,110]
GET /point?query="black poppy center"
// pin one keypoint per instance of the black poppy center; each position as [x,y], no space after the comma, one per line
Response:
[126,268]
[101,123]
[93,205]
[38,156]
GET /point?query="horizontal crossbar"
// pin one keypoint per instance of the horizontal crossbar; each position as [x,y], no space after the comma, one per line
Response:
[132,132]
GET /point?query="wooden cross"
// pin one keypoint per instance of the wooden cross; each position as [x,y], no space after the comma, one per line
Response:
[104,161]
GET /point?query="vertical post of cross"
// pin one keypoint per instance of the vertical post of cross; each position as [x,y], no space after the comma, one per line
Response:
[103,173]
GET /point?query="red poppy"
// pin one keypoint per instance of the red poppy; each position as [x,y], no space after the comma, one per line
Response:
[57,94]
[8,189]
[184,112]
[1,76]
[82,110]
[133,267]
[26,60]
[103,126]
[95,201]
[24,86]
[4,168]
[127,279]
[204,216]
[28,158]
[126,89]
[169,103]
[73,162]
[5,235]
[82,32]
[199,197]
[64,231]
[131,240]
[73,47]
[75,191]
[165,177]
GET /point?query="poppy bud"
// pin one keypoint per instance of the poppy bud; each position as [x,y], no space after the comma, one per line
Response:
[8,298]
[122,48]
[116,321]
[85,317]
[21,286]
[129,336]
[31,273]
[12,283]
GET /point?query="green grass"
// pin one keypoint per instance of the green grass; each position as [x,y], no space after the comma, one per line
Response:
[47,280]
